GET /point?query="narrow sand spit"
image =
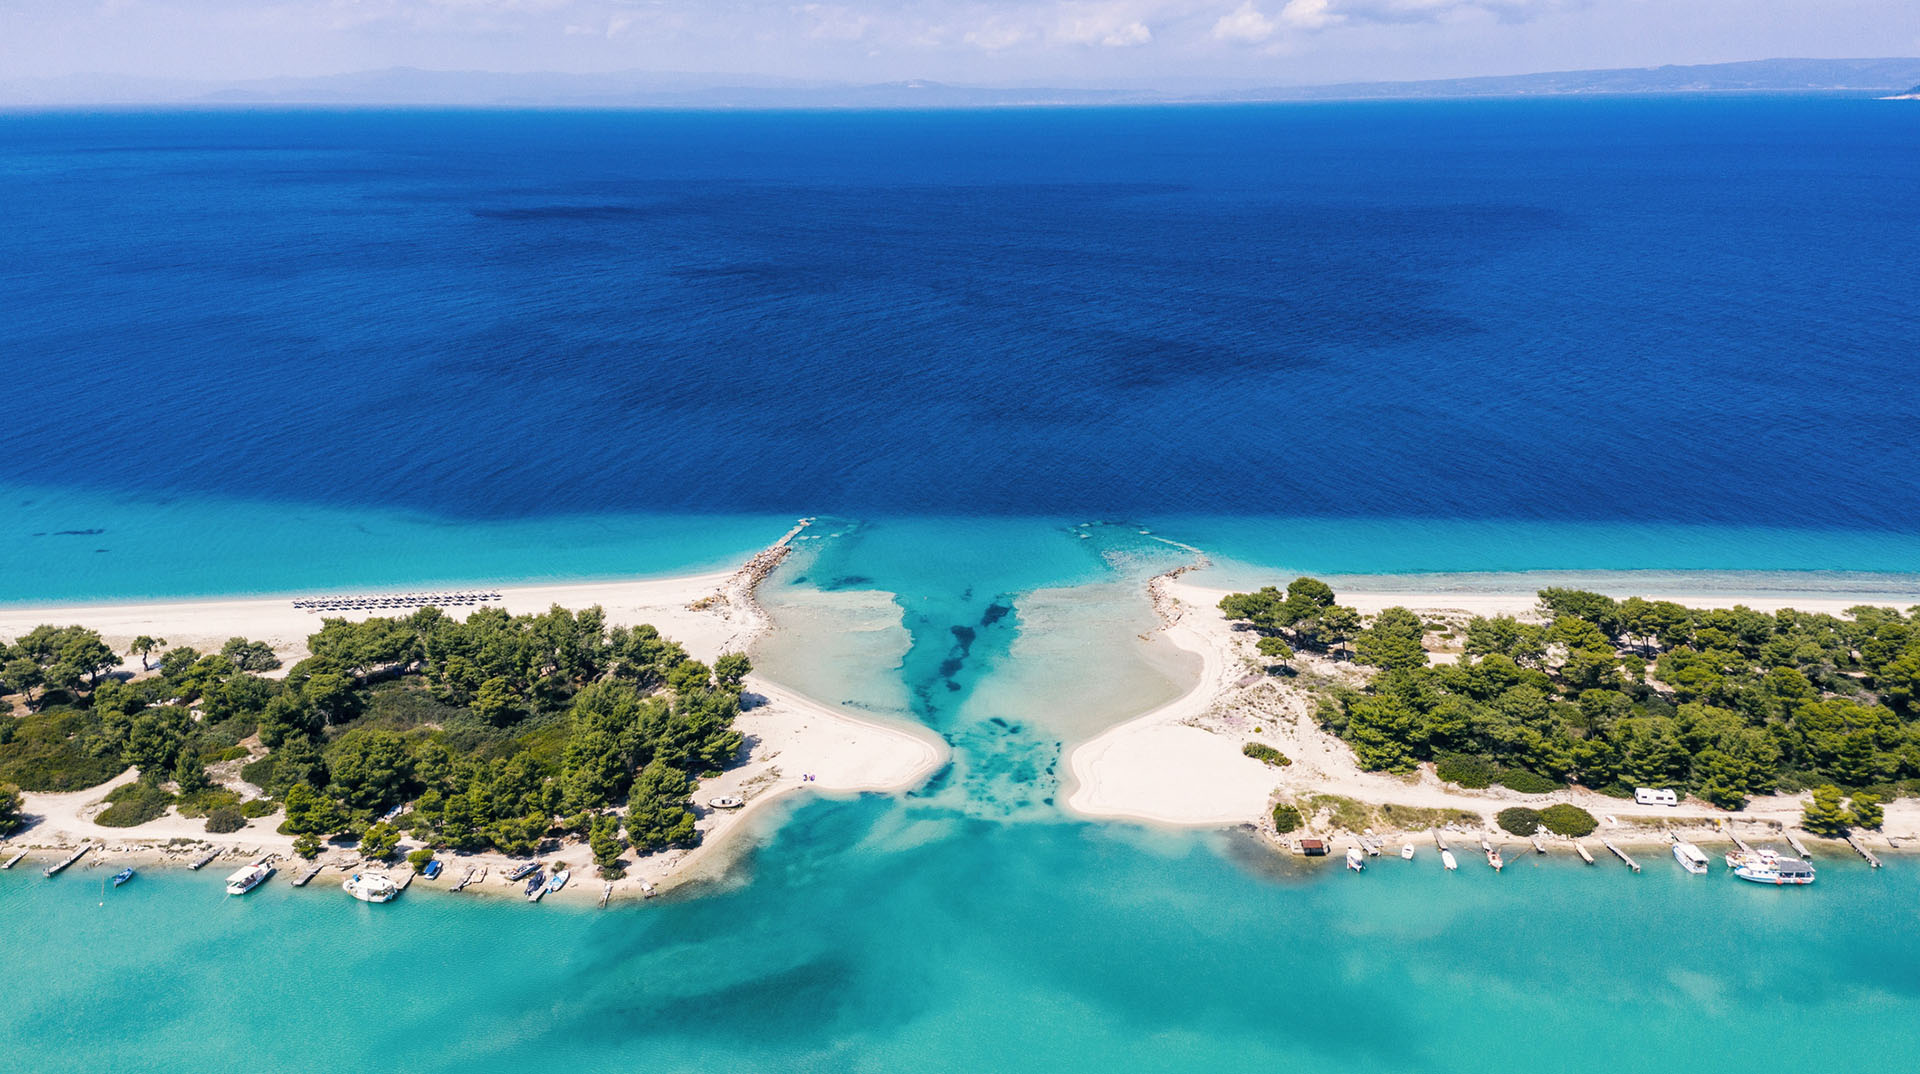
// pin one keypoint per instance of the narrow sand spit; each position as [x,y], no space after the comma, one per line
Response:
[1182,764]
[794,742]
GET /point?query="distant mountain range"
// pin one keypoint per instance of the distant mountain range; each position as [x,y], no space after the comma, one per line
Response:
[406,86]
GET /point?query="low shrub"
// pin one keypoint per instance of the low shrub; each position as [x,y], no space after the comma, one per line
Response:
[202,803]
[231,753]
[1518,820]
[258,807]
[1412,818]
[133,803]
[1466,770]
[1286,818]
[260,772]
[1526,782]
[1342,812]
[224,820]
[1266,754]
[1564,819]
[419,858]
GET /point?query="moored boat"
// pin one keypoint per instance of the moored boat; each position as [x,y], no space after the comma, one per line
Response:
[536,886]
[122,876]
[1493,859]
[370,887]
[1406,852]
[432,870]
[726,801]
[1355,859]
[523,871]
[248,878]
[558,880]
[1772,867]
[1691,858]
[1447,859]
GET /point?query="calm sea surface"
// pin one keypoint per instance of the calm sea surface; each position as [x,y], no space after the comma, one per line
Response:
[260,352]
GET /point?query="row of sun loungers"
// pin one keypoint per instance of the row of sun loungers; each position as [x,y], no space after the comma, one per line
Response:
[394,600]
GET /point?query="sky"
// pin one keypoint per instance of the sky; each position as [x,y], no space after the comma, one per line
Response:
[979,42]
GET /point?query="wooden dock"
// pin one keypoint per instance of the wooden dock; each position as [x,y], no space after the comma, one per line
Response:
[472,871]
[1861,849]
[307,877]
[1739,842]
[406,879]
[54,870]
[1621,854]
[1581,849]
[1538,846]
[15,860]
[606,892]
[1437,841]
[203,861]
[1798,847]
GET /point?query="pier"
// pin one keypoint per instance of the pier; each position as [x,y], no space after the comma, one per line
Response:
[53,870]
[203,861]
[406,879]
[1861,849]
[15,860]
[606,892]
[1621,854]
[307,877]
[1538,846]
[1798,847]
[1739,842]
[472,871]
[1581,849]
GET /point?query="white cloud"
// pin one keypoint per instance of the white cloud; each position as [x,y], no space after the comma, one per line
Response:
[1111,26]
[835,22]
[1309,14]
[996,36]
[1244,23]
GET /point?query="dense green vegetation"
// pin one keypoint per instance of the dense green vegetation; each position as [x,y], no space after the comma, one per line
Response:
[1570,820]
[1266,754]
[501,731]
[1616,694]
[10,803]
[1518,820]
[1287,818]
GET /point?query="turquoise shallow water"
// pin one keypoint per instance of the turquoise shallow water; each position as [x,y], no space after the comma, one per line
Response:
[970,925]
[874,936]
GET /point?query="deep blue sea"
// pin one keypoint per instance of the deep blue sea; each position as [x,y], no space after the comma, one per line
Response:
[1016,362]
[1643,316]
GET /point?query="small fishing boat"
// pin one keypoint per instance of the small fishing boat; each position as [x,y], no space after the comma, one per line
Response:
[248,878]
[432,870]
[536,886]
[1447,859]
[370,887]
[1355,859]
[726,801]
[1493,859]
[122,877]
[1691,858]
[1406,852]
[558,880]
[523,871]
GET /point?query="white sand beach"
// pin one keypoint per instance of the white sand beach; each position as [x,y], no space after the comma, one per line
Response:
[1182,764]
[794,742]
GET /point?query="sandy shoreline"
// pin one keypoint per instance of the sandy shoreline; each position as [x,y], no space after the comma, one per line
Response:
[794,743]
[1182,765]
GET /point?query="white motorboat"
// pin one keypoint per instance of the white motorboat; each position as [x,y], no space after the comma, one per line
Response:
[249,878]
[1447,859]
[1406,852]
[1769,866]
[726,801]
[370,887]
[1691,858]
[1356,860]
